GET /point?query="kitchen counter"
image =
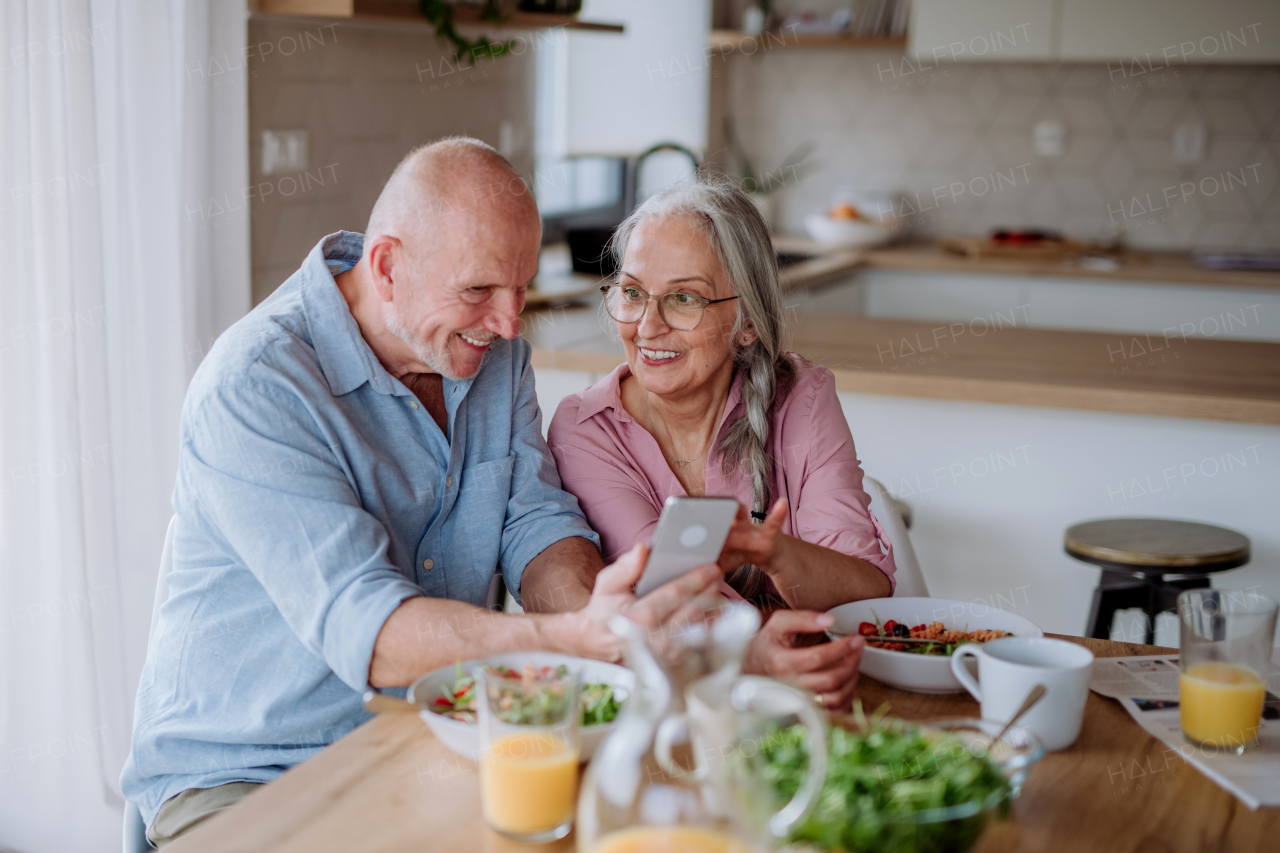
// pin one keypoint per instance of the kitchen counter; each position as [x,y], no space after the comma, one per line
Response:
[822,264]
[557,284]
[1211,379]
[1164,267]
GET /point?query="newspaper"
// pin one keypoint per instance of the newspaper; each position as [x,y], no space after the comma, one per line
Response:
[1147,687]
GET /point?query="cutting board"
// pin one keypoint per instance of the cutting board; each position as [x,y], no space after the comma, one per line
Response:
[985,247]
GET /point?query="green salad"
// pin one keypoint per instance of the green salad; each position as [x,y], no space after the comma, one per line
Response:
[880,779]
[599,705]
[518,704]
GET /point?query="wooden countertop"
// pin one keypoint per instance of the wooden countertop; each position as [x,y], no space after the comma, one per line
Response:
[390,787]
[1101,371]
[1159,267]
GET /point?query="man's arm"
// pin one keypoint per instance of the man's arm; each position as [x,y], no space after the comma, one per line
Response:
[423,633]
[256,471]
[561,577]
[426,633]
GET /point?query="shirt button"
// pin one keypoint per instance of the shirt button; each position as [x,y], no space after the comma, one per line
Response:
[448,481]
[413,404]
[428,565]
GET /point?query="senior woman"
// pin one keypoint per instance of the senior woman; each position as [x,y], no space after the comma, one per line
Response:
[709,403]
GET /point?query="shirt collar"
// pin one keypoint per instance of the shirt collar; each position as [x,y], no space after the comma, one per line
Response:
[345,357]
[607,394]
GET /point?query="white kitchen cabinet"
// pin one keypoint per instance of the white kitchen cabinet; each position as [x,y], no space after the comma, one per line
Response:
[1152,32]
[1170,31]
[944,31]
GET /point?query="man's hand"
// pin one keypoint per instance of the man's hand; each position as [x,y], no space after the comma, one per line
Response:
[753,543]
[829,670]
[586,632]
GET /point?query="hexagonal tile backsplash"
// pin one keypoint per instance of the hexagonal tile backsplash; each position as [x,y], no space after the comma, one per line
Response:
[956,140]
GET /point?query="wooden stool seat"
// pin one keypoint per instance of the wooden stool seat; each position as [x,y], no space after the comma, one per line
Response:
[1147,562]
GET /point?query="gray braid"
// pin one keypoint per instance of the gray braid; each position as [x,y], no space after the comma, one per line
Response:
[746,442]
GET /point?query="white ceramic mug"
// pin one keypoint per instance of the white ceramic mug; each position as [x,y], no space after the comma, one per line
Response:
[1009,667]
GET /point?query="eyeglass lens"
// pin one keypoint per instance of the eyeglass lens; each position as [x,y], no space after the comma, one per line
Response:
[680,311]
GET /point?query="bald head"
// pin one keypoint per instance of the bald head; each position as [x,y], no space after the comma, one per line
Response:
[451,245]
[456,184]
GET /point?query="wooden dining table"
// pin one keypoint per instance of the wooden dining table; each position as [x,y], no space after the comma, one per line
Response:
[391,786]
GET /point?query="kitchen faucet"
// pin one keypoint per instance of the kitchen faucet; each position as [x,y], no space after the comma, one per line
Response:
[634,165]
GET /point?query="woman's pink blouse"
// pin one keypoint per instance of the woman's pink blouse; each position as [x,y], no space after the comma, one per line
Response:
[621,479]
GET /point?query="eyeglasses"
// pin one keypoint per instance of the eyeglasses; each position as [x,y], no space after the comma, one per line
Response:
[627,303]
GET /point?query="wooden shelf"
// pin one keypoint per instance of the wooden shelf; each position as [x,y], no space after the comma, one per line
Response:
[775,39]
[407,10]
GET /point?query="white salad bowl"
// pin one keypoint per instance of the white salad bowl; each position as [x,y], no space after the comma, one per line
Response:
[464,738]
[917,672]
[857,233]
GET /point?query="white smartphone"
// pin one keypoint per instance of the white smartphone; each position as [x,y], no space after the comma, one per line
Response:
[690,533]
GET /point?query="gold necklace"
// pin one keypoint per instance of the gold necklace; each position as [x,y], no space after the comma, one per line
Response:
[683,463]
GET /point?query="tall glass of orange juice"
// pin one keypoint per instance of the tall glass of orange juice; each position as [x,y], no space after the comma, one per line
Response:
[529,742]
[1226,638]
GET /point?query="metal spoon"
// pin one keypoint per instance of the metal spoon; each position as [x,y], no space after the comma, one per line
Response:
[1036,694]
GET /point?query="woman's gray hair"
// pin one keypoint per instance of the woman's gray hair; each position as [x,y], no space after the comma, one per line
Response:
[738,235]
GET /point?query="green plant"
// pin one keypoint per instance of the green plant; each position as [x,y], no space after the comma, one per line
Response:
[439,13]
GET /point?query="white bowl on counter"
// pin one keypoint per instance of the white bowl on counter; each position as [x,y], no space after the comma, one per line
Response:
[857,233]
[916,672]
[464,738]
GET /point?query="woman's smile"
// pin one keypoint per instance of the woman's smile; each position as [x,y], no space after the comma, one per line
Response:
[657,357]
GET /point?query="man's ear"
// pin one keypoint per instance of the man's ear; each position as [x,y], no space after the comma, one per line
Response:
[386,256]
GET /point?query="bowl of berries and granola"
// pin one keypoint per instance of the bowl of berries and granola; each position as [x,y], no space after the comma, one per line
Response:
[910,640]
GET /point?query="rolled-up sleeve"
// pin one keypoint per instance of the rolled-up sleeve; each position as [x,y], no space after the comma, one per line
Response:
[833,510]
[267,487]
[539,511]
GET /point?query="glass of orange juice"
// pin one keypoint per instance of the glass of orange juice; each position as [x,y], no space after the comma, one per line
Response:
[1226,639]
[529,743]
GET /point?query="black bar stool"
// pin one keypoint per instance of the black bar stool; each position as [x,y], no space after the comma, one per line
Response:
[1146,562]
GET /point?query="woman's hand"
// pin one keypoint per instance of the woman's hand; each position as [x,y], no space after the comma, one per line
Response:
[829,670]
[586,633]
[753,543]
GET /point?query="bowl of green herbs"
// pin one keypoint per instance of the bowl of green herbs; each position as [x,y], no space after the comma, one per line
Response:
[898,787]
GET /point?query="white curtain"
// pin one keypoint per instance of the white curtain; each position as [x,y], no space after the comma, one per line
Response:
[122,136]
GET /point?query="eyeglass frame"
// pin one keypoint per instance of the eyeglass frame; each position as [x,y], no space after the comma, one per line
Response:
[649,297]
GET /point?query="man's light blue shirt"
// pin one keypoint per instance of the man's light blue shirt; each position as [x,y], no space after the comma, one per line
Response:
[314,495]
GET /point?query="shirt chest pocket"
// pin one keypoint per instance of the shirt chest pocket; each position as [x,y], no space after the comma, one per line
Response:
[476,525]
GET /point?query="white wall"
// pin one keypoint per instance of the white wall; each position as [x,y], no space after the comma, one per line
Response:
[995,487]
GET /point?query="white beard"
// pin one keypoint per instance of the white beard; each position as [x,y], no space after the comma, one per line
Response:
[433,357]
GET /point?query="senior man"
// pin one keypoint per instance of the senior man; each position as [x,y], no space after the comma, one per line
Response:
[358,456]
